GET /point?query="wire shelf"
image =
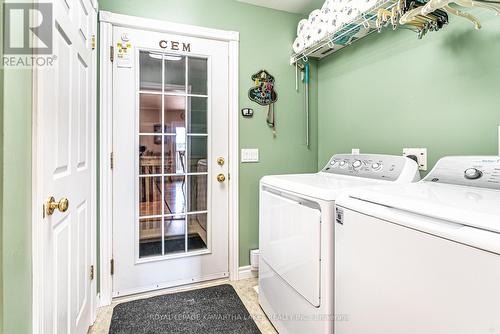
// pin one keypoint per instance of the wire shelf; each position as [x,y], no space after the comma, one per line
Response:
[350,32]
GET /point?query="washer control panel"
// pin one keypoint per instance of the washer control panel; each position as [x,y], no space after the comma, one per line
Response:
[373,166]
[475,171]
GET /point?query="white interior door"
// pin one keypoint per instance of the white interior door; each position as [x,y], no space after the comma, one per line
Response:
[65,113]
[170,127]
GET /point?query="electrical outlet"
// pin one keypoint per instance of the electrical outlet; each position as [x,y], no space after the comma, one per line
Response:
[420,153]
[355,151]
[249,155]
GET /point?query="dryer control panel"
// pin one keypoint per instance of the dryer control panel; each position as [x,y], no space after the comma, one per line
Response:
[474,171]
[372,166]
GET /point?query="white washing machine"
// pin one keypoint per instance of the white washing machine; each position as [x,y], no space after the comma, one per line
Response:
[423,257]
[296,225]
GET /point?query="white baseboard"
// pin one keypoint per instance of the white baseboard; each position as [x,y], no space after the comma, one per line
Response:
[246,272]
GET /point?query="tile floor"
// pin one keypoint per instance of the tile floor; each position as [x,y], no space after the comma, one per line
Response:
[244,288]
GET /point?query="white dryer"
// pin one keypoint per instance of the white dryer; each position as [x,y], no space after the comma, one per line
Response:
[296,226]
[423,257]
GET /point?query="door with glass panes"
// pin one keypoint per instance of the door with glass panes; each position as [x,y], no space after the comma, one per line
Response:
[170,147]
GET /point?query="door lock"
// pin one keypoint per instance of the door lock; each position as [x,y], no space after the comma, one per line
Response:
[221,178]
[51,205]
[220,161]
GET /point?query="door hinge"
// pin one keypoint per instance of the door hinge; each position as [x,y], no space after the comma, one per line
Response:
[111,160]
[91,272]
[112,267]
[93,41]
[111,53]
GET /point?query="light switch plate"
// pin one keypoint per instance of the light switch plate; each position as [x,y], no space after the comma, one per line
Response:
[355,151]
[420,153]
[249,155]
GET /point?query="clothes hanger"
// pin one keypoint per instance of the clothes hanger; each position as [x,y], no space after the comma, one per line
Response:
[412,14]
[437,4]
[433,21]
[400,7]
[385,16]
[445,4]
[437,17]
[382,18]
[394,18]
[467,16]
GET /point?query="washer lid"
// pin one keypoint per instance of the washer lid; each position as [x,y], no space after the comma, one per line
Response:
[470,206]
[319,185]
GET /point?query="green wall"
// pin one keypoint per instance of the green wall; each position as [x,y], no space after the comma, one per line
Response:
[16,245]
[16,252]
[16,201]
[266,37]
[392,90]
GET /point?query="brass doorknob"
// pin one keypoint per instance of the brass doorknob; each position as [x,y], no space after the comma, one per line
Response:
[51,205]
[220,161]
[221,178]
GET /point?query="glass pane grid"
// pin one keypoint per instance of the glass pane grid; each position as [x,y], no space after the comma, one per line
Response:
[171,134]
[186,214]
[160,175]
[152,92]
[172,154]
[146,91]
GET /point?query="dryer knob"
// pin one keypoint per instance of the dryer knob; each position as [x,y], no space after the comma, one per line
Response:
[376,166]
[473,174]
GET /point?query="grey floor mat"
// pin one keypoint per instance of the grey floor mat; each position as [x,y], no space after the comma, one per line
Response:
[214,310]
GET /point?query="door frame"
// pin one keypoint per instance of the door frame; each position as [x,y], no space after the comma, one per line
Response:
[107,21]
[38,197]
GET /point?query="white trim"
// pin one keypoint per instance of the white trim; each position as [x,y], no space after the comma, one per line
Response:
[107,21]
[93,228]
[36,220]
[246,272]
[233,161]
[136,22]
[106,175]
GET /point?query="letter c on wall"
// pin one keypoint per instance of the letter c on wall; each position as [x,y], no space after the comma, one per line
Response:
[163,44]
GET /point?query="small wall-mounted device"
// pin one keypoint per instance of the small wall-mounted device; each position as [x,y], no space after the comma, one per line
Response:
[247,112]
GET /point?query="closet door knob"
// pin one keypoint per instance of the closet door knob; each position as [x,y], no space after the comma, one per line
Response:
[51,205]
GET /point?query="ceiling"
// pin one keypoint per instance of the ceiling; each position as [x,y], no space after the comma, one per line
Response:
[293,6]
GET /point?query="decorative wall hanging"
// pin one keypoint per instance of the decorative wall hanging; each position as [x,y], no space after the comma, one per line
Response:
[264,94]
